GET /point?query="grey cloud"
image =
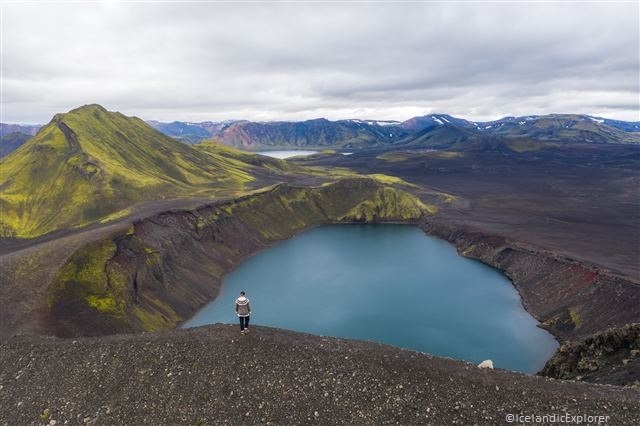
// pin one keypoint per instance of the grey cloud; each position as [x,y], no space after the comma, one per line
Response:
[297,61]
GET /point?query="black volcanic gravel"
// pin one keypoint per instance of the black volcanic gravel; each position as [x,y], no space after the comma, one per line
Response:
[213,375]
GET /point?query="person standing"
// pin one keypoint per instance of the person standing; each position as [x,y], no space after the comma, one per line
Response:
[243,310]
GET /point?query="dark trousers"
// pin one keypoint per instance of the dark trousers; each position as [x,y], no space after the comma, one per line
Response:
[244,322]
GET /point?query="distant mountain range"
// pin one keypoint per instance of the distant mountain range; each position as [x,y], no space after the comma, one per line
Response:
[430,131]
[14,135]
[190,132]
[27,129]
[435,131]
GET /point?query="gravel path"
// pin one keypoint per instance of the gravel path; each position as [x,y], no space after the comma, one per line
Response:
[213,375]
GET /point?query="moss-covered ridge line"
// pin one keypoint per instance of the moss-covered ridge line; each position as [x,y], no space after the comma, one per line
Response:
[90,163]
[164,268]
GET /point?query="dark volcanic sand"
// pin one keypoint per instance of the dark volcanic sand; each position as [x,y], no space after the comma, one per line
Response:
[580,201]
[213,375]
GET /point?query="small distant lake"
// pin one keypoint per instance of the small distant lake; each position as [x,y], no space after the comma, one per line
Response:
[285,153]
[386,283]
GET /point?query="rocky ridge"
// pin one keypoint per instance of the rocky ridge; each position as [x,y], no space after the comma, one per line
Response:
[612,356]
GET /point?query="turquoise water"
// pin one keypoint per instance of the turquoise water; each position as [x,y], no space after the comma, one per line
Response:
[391,284]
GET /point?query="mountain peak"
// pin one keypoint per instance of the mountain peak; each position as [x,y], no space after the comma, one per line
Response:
[94,110]
[89,108]
[93,162]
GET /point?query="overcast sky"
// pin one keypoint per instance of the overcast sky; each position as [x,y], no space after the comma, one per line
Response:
[201,61]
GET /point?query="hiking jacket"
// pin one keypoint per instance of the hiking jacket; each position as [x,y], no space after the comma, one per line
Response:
[243,309]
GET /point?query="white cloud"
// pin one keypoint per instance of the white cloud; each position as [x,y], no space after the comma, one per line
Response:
[213,61]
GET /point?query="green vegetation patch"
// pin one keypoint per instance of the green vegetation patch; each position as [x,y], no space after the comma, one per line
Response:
[390,180]
[443,155]
[117,215]
[394,157]
[574,318]
[156,316]
[89,277]
[528,145]
[389,204]
[447,198]
[398,156]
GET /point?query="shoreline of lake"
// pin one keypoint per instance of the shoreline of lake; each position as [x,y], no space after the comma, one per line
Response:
[500,329]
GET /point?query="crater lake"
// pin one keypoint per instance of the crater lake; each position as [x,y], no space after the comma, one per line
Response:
[387,283]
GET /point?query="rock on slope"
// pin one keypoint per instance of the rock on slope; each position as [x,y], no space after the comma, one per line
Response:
[612,356]
[213,375]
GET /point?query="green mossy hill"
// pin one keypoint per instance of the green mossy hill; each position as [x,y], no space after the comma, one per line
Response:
[399,156]
[286,210]
[89,163]
[165,268]
[528,145]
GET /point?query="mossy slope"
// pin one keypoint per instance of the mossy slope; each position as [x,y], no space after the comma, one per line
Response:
[89,163]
